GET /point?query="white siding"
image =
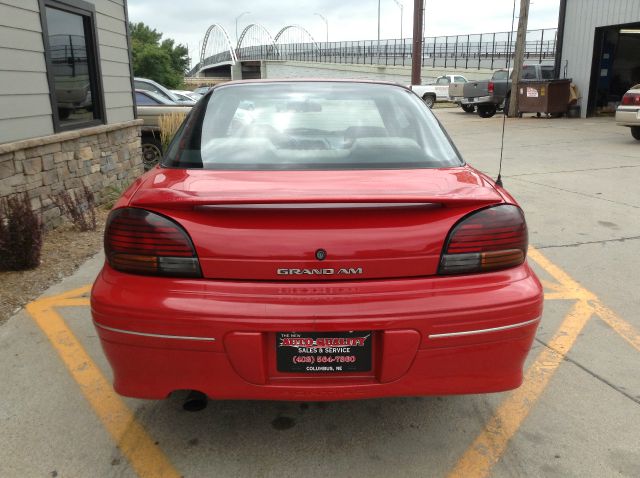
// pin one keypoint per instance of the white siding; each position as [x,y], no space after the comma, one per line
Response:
[25,109]
[582,18]
[114,60]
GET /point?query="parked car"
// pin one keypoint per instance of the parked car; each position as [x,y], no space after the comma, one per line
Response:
[490,95]
[438,90]
[150,85]
[628,113]
[340,252]
[150,106]
[202,90]
[187,95]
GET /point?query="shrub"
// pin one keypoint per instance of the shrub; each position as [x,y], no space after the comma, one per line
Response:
[169,124]
[110,195]
[21,232]
[80,208]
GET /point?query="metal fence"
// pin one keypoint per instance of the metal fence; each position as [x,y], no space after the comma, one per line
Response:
[483,50]
[480,51]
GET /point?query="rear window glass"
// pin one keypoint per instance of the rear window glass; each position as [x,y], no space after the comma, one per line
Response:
[529,73]
[548,72]
[311,125]
[500,75]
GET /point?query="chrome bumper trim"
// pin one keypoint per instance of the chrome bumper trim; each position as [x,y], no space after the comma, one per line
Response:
[483,331]
[157,336]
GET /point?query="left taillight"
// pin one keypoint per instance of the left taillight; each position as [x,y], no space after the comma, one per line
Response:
[631,99]
[143,242]
[486,240]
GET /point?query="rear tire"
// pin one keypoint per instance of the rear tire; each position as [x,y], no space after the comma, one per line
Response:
[468,108]
[429,100]
[151,151]
[486,111]
[635,132]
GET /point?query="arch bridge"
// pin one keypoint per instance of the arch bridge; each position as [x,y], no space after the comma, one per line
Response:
[218,55]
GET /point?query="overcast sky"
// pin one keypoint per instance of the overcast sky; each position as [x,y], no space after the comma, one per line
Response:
[186,21]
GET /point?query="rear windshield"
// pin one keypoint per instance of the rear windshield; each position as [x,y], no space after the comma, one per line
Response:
[311,125]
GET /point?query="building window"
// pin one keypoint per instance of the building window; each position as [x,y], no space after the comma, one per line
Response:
[72,63]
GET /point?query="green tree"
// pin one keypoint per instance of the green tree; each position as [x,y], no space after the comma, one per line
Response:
[164,62]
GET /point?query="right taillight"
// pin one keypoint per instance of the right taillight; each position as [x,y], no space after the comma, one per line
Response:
[491,87]
[143,242]
[486,240]
[631,99]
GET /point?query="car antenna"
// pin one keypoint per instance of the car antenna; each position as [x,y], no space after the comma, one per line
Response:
[506,113]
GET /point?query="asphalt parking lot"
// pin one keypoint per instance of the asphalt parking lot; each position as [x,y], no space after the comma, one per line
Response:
[577,414]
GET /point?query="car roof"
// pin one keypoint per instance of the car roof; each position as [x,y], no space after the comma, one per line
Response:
[308,80]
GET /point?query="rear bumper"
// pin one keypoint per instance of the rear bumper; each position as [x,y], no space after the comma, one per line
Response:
[478,100]
[438,335]
[628,116]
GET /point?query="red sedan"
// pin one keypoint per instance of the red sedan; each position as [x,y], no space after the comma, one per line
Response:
[315,240]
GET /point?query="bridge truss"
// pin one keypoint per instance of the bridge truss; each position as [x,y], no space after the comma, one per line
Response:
[217,47]
[294,40]
[256,43]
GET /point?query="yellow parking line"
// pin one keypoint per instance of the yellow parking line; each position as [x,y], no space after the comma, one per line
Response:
[621,327]
[149,461]
[569,285]
[568,288]
[131,438]
[492,442]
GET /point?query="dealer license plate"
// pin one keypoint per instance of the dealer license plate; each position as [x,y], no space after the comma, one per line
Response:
[326,352]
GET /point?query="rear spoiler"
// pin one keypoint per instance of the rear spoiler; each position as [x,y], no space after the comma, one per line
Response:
[173,199]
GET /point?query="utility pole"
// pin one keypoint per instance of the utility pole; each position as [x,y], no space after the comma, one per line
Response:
[416,55]
[378,23]
[521,41]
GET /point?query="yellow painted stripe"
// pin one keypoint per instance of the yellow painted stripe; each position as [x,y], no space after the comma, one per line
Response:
[558,296]
[551,286]
[134,442]
[492,442]
[571,289]
[620,326]
[570,286]
[70,294]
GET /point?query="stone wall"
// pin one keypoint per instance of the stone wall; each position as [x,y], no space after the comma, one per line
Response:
[100,157]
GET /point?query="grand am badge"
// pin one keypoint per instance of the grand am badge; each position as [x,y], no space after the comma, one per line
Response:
[320,272]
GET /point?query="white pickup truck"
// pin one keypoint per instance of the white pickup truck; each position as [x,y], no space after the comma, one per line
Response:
[438,90]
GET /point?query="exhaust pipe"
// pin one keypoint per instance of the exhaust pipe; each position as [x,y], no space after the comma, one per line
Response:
[195,401]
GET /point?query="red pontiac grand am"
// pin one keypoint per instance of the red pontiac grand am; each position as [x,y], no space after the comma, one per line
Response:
[315,240]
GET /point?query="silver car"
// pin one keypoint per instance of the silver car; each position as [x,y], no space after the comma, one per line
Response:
[150,85]
[628,113]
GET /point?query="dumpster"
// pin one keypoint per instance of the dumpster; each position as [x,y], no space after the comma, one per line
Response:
[544,96]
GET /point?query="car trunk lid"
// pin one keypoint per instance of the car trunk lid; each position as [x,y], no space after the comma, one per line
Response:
[316,225]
